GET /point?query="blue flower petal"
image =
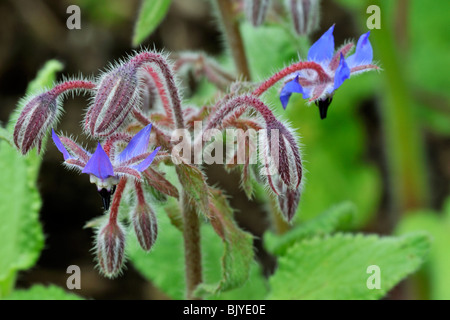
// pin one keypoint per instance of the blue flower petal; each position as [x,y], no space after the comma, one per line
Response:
[147,162]
[342,73]
[99,164]
[60,146]
[138,145]
[363,53]
[289,88]
[322,49]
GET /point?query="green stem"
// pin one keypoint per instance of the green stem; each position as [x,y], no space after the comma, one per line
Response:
[234,38]
[403,138]
[192,249]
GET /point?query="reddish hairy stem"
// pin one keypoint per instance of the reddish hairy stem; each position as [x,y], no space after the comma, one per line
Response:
[139,192]
[72,85]
[161,91]
[160,61]
[323,76]
[116,201]
[239,105]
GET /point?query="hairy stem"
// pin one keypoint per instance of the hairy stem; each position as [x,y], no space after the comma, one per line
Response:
[72,85]
[192,252]
[234,37]
[116,201]
[167,74]
[323,77]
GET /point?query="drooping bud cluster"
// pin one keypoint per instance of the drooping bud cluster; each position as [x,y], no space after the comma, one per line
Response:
[256,11]
[305,15]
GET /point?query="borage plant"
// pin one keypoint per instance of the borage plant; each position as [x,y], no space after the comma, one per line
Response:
[151,146]
[141,94]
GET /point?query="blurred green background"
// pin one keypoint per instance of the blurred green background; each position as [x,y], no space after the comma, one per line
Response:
[385,145]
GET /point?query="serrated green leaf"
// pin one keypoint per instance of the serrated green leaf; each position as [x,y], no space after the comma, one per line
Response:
[336,267]
[338,217]
[238,247]
[40,292]
[437,267]
[21,233]
[151,14]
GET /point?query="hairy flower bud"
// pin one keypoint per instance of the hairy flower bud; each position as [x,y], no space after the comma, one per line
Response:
[256,11]
[145,225]
[38,114]
[118,92]
[305,15]
[282,165]
[111,248]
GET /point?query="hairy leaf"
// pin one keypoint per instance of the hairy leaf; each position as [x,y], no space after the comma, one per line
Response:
[336,267]
[238,247]
[338,217]
[194,183]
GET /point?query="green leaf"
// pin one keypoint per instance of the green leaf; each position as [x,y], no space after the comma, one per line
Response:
[437,267]
[255,288]
[336,267]
[338,217]
[22,238]
[238,247]
[194,183]
[40,292]
[150,16]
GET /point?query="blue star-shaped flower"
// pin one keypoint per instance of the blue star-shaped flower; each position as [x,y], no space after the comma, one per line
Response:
[335,66]
[105,169]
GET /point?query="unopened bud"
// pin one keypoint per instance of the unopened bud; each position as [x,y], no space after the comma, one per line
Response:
[256,11]
[39,113]
[282,166]
[145,225]
[305,15]
[111,248]
[118,92]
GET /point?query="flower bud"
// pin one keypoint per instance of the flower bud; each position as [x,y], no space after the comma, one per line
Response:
[305,15]
[145,225]
[111,248]
[118,92]
[282,165]
[39,114]
[256,11]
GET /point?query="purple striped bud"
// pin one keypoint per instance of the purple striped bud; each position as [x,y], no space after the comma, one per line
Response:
[256,11]
[38,115]
[145,225]
[118,92]
[111,248]
[305,15]
[282,165]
